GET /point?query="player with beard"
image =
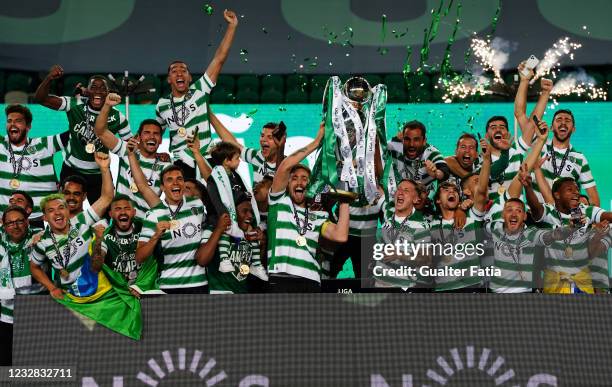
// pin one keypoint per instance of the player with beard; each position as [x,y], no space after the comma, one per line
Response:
[149,137]
[16,240]
[513,257]
[465,160]
[506,159]
[445,232]
[65,242]
[81,114]
[294,230]
[26,163]
[242,254]
[186,108]
[402,222]
[176,224]
[568,260]
[271,147]
[118,246]
[563,159]
[415,159]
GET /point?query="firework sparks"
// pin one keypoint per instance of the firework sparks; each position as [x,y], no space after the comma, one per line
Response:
[553,55]
[580,84]
[489,57]
[461,87]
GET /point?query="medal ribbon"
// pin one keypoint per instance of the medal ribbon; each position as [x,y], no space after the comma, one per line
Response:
[175,212]
[184,114]
[17,164]
[62,258]
[553,159]
[301,228]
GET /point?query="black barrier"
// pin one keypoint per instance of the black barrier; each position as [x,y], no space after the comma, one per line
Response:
[331,340]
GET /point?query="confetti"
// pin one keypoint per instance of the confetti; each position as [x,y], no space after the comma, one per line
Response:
[208,9]
[244,53]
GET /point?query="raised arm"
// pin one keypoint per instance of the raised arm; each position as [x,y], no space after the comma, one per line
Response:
[520,105]
[101,205]
[481,194]
[101,126]
[546,86]
[42,95]
[207,250]
[338,232]
[203,167]
[139,178]
[214,68]
[281,178]
[221,130]
[545,189]
[514,191]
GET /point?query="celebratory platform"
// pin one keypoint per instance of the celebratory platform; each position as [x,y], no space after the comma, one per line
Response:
[330,340]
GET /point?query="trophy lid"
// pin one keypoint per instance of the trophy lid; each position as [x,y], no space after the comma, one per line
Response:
[357,89]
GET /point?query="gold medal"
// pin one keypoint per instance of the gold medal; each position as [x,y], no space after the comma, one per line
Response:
[133,188]
[501,190]
[14,183]
[244,269]
[64,274]
[174,224]
[182,131]
[569,252]
[301,241]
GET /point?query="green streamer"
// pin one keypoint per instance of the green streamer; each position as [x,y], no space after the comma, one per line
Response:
[495,20]
[406,70]
[445,67]
[384,27]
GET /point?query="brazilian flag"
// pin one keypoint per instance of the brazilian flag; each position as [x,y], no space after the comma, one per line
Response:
[105,298]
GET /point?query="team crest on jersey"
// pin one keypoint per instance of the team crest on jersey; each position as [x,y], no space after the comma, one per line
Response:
[30,150]
[73,233]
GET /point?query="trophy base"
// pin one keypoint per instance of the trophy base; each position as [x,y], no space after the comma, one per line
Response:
[342,196]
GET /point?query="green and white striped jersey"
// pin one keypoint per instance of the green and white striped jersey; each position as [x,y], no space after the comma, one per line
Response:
[261,167]
[514,257]
[599,266]
[284,254]
[414,169]
[363,219]
[443,232]
[37,177]
[238,251]
[558,257]
[150,167]
[576,166]
[81,133]
[195,115]
[80,236]
[515,159]
[179,269]
[19,256]
[414,230]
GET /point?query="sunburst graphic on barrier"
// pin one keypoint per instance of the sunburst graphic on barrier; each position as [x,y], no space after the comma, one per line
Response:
[484,363]
[162,372]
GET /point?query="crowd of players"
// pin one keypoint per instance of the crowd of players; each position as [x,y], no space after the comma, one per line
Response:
[209,232]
